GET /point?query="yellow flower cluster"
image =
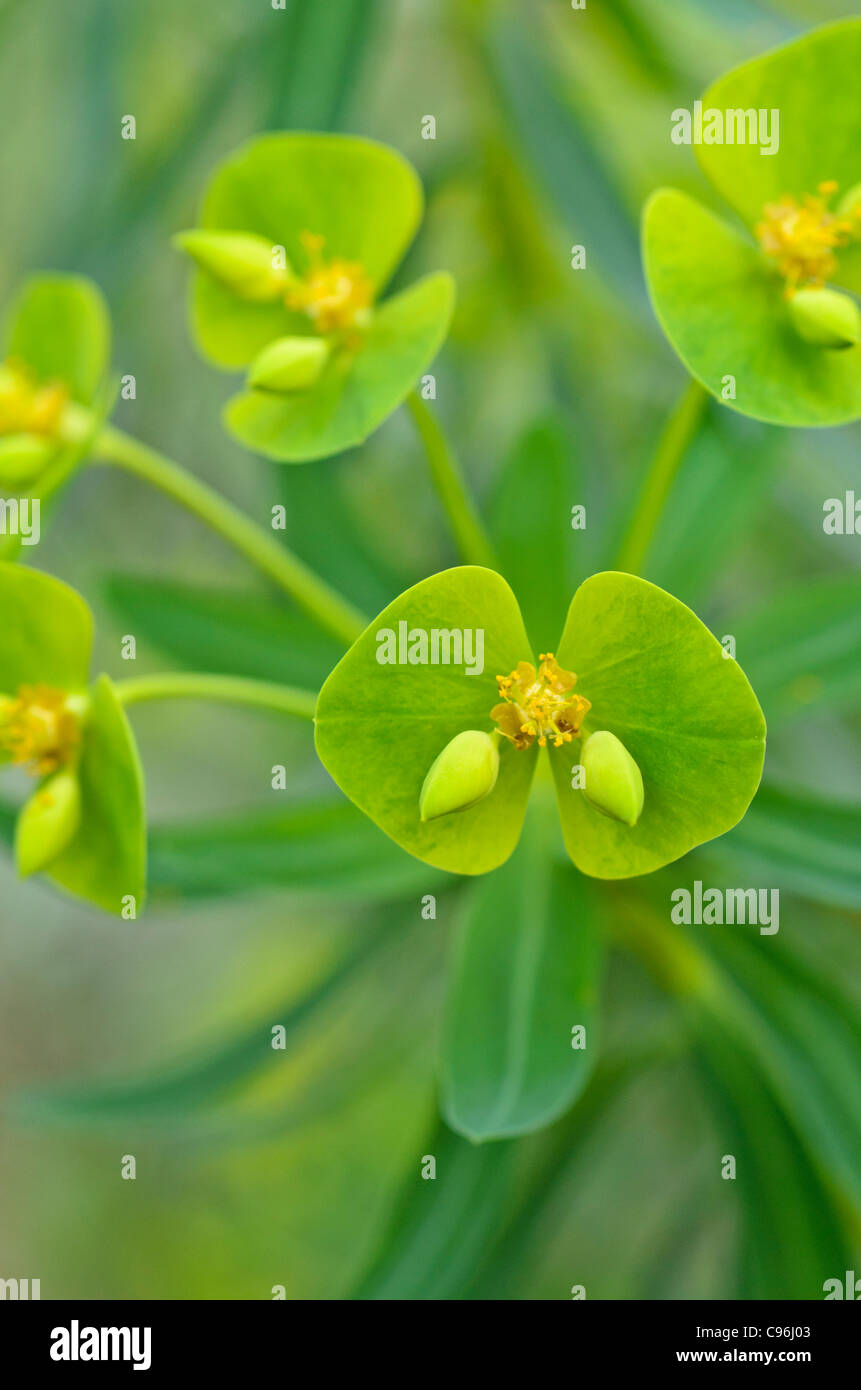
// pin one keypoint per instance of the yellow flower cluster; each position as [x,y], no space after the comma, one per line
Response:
[538,705]
[38,729]
[802,236]
[26,407]
[336,295]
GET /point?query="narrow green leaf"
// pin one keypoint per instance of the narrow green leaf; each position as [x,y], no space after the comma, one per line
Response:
[200,1081]
[325,847]
[799,844]
[802,650]
[791,1233]
[805,1036]
[224,632]
[713,507]
[526,973]
[558,148]
[317,57]
[441,1226]
[531,527]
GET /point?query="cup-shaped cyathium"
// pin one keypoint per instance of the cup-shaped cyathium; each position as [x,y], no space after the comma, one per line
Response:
[655,739]
[762,309]
[299,237]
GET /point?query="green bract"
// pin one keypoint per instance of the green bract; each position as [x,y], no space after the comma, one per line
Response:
[653,675]
[318,202]
[84,824]
[56,352]
[719,298]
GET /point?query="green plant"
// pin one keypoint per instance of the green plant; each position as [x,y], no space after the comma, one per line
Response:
[647,671]
[84,825]
[327,218]
[436,998]
[743,308]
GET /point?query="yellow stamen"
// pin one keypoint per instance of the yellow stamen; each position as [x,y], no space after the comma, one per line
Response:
[539,705]
[26,406]
[336,294]
[802,236]
[38,729]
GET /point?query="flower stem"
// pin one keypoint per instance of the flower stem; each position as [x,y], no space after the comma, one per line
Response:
[323,604]
[677,434]
[450,486]
[232,690]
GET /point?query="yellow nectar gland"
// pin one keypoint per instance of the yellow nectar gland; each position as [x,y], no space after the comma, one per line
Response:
[539,705]
[336,295]
[802,236]
[38,729]
[26,407]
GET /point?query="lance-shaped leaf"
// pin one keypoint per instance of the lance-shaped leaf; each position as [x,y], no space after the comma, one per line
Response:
[379,727]
[322,847]
[525,975]
[803,647]
[659,681]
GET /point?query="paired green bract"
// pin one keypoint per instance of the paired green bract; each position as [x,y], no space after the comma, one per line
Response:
[45,640]
[366,202]
[655,676]
[717,299]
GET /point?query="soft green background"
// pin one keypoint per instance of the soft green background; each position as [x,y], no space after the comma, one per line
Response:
[301,1167]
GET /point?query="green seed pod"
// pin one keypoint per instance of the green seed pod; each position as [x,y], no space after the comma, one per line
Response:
[23,457]
[464,773]
[240,260]
[826,318]
[289,364]
[613,782]
[47,822]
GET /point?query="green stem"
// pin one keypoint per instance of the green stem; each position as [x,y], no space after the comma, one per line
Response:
[450,486]
[323,604]
[676,436]
[232,690]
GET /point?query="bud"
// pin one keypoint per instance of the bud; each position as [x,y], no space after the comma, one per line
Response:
[240,260]
[826,318]
[47,822]
[463,774]
[23,457]
[613,784]
[289,364]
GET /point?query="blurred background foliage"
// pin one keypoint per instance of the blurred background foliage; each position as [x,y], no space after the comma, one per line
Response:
[301,1167]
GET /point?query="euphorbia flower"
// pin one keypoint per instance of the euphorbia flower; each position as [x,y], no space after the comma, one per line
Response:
[83,823]
[761,314]
[665,725]
[56,356]
[299,236]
